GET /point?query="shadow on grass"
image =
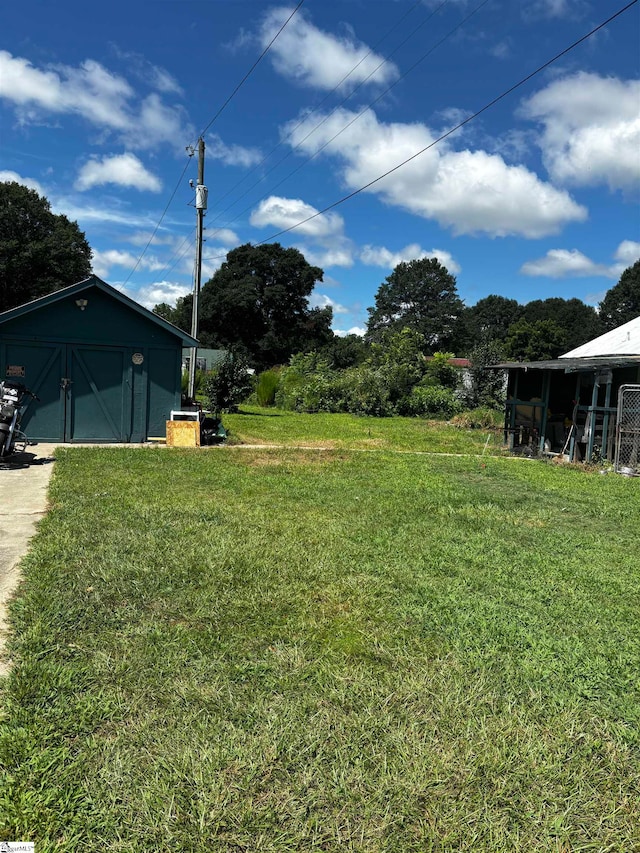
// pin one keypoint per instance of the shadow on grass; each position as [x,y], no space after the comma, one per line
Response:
[270,414]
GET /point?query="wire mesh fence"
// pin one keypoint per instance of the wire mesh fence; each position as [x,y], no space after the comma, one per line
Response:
[627,458]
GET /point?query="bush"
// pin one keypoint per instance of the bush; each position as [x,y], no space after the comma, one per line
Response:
[307,385]
[228,384]
[431,401]
[480,418]
[266,387]
[365,391]
[440,372]
[487,386]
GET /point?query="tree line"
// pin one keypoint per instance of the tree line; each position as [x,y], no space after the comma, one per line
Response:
[257,303]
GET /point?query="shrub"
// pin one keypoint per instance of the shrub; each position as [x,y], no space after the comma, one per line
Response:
[228,384]
[365,391]
[266,387]
[431,401]
[486,387]
[306,384]
[440,372]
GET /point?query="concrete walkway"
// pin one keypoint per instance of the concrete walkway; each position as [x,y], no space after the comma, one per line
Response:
[24,480]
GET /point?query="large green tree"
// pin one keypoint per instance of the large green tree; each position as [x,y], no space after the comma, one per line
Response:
[577,321]
[622,302]
[419,295]
[40,251]
[258,303]
[179,315]
[538,341]
[489,319]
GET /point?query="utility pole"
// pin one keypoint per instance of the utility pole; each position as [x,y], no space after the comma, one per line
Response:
[201,206]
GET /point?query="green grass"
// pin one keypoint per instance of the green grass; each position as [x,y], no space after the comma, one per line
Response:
[284,650]
[255,425]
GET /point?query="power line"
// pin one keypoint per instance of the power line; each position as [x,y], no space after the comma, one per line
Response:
[231,96]
[424,56]
[164,213]
[179,253]
[249,72]
[327,96]
[457,127]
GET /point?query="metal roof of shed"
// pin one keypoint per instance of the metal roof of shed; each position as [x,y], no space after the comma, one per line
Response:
[625,340]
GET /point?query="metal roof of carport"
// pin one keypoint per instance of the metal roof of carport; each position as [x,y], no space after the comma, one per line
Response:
[571,365]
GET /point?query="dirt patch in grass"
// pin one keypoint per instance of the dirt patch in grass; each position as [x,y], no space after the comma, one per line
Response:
[279,458]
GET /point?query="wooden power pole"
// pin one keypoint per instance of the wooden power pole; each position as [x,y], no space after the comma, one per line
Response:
[201,206]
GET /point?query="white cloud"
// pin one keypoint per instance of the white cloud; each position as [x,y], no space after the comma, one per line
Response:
[157,122]
[153,75]
[467,191]
[563,263]
[591,129]
[628,252]
[126,170]
[141,238]
[103,261]
[379,256]
[159,291]
[571,263]
[7,175]
[281,212]
[325,231]
[87,214]
[93,92]
[321,300]
[554,9]
[313,57]
[232,155]
[338,256]
[354,330]
[224,235]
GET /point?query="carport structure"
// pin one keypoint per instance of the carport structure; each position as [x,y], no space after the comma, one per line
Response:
[105,368]
[570,404]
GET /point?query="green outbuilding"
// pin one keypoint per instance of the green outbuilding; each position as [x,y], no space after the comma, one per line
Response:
[104,367]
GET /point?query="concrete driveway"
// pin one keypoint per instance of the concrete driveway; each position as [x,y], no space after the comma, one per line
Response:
[24,481]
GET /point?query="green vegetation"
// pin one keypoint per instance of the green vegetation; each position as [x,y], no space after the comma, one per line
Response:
[266,387]
[40,251]
[257,303]
[227,385]
[394,379]
[286,650]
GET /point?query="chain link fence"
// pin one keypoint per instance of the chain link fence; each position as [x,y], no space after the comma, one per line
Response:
[627,459]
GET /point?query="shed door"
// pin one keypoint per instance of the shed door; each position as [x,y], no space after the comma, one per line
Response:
[43,365]
[98,392]
[86,392]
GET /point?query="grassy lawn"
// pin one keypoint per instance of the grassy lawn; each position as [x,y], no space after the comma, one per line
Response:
[256,425]
[285,650]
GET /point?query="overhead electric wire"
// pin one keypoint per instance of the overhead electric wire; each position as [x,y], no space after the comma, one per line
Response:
[250,71]
[164,213]
[179,253]
[311,157]
[327,96]
[448,133]
[224,105]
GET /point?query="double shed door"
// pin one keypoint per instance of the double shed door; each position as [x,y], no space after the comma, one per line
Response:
[86,392]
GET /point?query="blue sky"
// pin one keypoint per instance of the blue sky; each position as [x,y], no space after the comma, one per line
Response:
[536,197]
